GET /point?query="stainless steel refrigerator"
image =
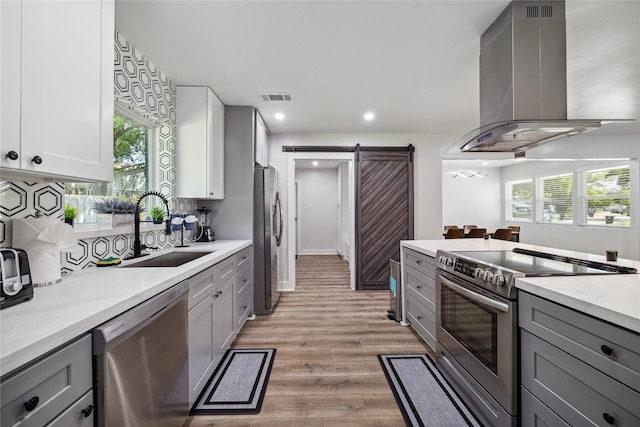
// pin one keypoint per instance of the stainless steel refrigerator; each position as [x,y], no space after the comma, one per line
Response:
[267,236]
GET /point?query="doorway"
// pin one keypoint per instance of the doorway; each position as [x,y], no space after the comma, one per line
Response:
[339,216]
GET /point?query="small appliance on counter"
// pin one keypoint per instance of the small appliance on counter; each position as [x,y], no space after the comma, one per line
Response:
[205,232]
[15,276]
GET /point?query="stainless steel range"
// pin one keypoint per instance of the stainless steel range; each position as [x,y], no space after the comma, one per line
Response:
[477,322]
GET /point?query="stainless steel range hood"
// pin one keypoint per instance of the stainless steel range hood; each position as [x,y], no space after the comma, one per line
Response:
[523,83]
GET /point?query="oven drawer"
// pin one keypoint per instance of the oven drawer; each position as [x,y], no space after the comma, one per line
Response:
[575,391]
[423,263]
[421,319]
[422,286]
[584,337]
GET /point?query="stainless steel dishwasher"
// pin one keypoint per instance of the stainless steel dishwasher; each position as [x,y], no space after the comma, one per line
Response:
[141,364]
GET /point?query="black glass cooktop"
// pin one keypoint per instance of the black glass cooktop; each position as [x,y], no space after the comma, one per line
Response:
[533,263]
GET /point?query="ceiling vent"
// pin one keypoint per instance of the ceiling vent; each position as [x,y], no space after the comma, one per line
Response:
[275,97]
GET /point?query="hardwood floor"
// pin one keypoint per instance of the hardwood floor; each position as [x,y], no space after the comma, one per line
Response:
[327,336]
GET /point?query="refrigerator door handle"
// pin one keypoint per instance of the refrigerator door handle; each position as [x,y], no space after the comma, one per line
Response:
[279,213]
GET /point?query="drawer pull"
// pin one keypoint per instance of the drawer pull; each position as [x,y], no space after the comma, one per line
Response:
[87,411]
[418,286]
[418,262]
[37,160]
[419,317]
[608,418]
[606,349]
[31,404]
[12,155]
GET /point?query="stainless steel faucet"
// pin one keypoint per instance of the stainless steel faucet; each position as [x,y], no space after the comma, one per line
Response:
[137,246]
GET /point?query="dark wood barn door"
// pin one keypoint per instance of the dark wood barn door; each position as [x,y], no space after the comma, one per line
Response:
[384,211]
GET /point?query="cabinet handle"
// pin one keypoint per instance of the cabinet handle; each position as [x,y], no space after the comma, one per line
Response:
[244,281]
[37,160]
[31,404]
[12,155]
[87,411]
[419,317]
[418,262]
[418,286]
[606,349]
[218,294]
[608,418]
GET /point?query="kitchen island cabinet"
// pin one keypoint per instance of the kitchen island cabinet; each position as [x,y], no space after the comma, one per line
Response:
[57,76]
[419,274]
[576,368]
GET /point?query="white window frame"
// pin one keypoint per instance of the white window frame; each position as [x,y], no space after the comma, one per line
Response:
[540,200]
[509,201]
[583,197]
[153,147]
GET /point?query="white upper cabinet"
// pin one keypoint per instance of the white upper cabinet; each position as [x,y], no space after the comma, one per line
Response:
[261,142]
[200,143]
[56,82]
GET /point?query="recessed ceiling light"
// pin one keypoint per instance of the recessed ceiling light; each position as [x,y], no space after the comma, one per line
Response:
[279,116]
[369,116]
[315,163]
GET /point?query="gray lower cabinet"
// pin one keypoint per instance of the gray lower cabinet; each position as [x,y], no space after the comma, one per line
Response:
[218,307]
[419,294]
[575,368]
[53,391]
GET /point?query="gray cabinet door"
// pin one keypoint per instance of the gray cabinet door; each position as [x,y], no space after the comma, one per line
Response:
[202,355]
[223,325]
[575,391]
[47,387]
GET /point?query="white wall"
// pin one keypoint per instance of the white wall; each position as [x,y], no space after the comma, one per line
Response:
[427,177]
[472,200]
[346,205]
[318,216]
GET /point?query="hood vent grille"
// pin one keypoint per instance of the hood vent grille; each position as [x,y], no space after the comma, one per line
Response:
[544,11]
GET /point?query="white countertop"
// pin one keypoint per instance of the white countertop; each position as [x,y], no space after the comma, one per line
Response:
[613,298]
[87,298]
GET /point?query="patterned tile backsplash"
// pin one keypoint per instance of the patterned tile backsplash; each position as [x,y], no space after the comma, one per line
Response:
[140,86]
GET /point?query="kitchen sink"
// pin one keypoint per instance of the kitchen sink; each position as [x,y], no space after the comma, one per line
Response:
[172,259]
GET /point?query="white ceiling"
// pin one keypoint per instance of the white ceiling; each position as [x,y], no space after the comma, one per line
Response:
[412,63]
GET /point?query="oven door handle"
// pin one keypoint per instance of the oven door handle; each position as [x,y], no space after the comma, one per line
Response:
[490,302]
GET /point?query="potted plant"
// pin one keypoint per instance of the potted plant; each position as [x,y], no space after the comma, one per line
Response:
[157,214]
[70,213]
[114,212]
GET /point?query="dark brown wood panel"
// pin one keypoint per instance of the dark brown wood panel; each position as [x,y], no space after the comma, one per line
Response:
[384,213]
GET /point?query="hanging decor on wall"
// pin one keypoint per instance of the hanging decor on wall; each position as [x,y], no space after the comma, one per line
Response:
[467,174]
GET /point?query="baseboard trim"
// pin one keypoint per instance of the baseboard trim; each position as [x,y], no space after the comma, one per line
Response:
[318,252]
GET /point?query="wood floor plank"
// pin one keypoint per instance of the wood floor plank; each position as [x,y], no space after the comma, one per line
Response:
[326,371]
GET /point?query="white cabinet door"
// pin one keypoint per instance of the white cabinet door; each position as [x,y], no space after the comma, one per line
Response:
[10,19]
[202,356]
[261,142]
[66,89]
[200,143]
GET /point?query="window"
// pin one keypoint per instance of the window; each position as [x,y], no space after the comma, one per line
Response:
[606,199]
[519,200]
[554,201]
[131,169]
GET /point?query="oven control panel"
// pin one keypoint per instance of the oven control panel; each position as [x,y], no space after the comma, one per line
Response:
[488,276]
